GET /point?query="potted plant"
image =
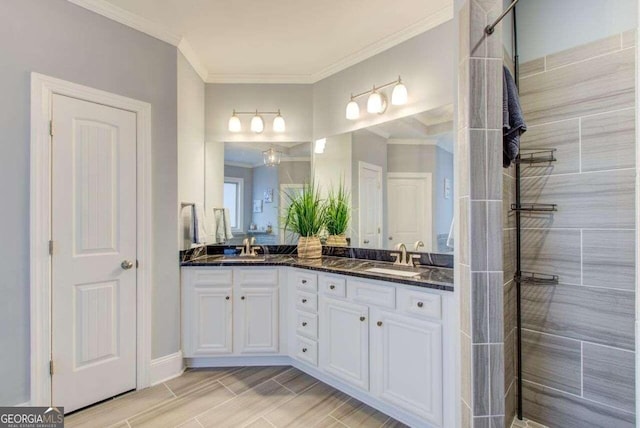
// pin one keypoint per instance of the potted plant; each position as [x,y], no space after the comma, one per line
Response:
[336,216]
[305,216]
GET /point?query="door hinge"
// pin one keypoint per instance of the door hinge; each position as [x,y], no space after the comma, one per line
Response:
[137,264]
[51,128]
[51,248]
[51,367]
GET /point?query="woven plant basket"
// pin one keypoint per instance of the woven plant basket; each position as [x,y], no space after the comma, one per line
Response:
[337,240]
[309,247]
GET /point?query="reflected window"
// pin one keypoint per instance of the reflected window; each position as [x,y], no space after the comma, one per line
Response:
[233,190]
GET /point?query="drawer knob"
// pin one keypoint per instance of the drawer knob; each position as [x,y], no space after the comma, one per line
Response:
[304,300]
[333,287]
[304,323]
[420,304]
[362,318]
[379,323]
[227,298]
[242,298]
[304,349]
[304,281]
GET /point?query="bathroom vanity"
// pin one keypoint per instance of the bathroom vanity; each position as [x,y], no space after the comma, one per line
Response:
[379,335]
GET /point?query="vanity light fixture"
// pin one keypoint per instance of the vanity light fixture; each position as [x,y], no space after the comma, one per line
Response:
[257,122]
[377,101]
[271,157]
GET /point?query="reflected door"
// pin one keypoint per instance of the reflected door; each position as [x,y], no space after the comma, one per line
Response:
[409,209]
[370,205]
[94,254]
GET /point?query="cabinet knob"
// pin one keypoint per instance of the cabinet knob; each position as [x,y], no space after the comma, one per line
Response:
[379,323]
[304,300]
[420,304]
[362,318]
[304,349]
[333,287]
[227,298]
[304,323]
[242,298]
[304,281]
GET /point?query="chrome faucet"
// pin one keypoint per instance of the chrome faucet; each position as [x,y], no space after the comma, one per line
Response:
[403,258]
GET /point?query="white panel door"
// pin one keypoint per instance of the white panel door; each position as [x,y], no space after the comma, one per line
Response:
[344,341]
[409,210]
[257,320]
[406,363]
[93,264]
[210,326]
[370,205]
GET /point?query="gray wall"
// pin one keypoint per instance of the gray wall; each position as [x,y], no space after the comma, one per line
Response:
[579,336]
[57,38]
[425,63]
[247,175]
[266,177]
[548,26]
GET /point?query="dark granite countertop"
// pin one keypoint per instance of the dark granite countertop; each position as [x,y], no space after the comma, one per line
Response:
[437,278]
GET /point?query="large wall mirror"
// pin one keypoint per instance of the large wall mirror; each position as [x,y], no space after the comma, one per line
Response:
[400,178]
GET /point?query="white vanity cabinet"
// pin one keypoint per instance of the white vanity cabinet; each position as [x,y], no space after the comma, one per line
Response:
[232,311]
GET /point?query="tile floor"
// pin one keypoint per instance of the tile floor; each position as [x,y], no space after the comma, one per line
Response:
[256,397]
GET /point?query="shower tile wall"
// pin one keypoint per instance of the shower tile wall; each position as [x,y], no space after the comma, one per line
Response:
[480,191]
[578,337]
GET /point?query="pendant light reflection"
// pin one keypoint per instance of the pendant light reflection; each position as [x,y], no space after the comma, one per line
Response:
[271,157]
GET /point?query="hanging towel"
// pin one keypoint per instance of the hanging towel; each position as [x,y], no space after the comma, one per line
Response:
[513,125]
[222,225]
[197,226]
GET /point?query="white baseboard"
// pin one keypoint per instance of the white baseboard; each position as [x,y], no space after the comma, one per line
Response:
[271,360]
[167,367]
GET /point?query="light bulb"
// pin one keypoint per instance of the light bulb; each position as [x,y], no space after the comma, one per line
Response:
[278,123]
[353,110]
[375,102]
[234,123]
[257,124]
[399,94]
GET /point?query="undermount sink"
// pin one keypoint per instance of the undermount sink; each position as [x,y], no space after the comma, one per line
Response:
[241,259]
[393,272]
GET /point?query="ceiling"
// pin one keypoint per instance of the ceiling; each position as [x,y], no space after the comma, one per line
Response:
[425,125]
[281,41]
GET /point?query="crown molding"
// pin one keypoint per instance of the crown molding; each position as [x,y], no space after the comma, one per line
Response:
[443,15]
[304,79]
[192,58]
[137,22]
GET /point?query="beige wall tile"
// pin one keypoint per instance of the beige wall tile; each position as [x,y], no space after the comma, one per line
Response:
[553,252]
[608,258]
[628,39]
[563,136]
[609,141]
[532,67]
[583,52]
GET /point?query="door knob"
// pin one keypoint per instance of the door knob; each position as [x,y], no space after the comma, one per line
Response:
[379,323]
[391,238]
[362,318]
[366,241]
[126,264]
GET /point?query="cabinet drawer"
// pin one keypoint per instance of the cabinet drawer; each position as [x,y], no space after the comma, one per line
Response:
[333,285]
[305,281]
[307,350]
[418,303]
[307,324]
[307,301]
[204,277]
[251,276]
[372,294]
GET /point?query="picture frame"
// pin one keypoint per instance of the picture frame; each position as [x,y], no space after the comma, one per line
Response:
[268,196]
[257,205]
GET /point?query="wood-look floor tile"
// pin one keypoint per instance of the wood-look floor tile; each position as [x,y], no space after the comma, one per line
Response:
[248,377]
[308,408]
[329,422]
[120,425]
[295,380]
[247,406]
[192,423]
[182,409]
[260,423]
[121,408]
[355,414]
[197,378]
[392,423]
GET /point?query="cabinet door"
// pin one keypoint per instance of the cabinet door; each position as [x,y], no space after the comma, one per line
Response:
[210,326]
[344,341]
[257,320]
[406,363]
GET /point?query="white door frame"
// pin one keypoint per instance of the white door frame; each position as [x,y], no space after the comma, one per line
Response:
[428,177]
[42,90]
[377,168]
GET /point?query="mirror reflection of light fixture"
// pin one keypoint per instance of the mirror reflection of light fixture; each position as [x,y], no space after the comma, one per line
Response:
[353,110]
[234,123]
[257,122]
[271,157]
[278,123]
[319,146]
[377,101]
